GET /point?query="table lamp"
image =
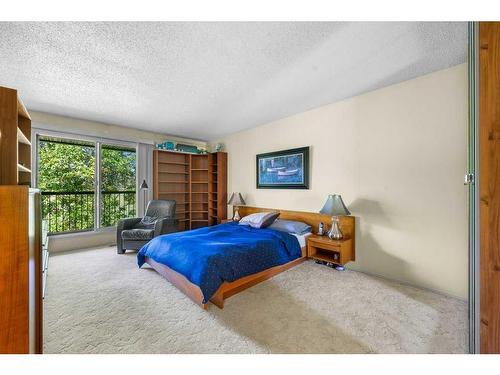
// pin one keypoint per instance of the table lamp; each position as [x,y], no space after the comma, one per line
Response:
[236,200]
[335,207]
[144,187]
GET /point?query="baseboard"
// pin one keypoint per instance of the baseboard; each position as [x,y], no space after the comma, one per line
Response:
[409,284]
[82,240]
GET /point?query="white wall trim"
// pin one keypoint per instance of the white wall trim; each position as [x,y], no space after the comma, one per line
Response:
[82,240]
[44,131]
[48,121]
[406,283]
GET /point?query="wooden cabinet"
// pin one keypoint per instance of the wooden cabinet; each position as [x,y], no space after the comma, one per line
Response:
[20,245]
[21,307]
[198,184]
[489,184]
[15,139]
[323,248]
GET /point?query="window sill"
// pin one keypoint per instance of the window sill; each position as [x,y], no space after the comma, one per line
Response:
[82,232]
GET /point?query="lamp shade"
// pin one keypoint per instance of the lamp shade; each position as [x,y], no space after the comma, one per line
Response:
[236,200]
[334,206]
[144,185]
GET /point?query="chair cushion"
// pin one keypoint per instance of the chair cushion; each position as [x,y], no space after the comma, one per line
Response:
[137,234]
[147,222]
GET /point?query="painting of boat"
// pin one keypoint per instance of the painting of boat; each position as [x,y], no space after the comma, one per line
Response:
[275,169]
[288,172]
[286,169]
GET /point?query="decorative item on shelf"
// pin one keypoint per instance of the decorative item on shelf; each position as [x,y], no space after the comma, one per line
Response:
[219,147]
[187,148]
[335,207]
[167,145]
[236,200]
[144,188]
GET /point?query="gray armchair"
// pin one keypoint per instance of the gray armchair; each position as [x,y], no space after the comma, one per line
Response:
[133,233]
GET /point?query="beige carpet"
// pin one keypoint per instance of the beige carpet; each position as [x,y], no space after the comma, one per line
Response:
[100,302]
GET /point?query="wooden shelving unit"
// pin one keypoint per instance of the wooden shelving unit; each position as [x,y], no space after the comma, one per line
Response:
[15,139]
[217,187]
[199,191]
[21,138]
[22,168]
[186,178]
[171,181]
[21,306]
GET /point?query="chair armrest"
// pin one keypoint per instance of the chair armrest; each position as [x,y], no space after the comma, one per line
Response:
[122,225]
[127,223]
[165,225]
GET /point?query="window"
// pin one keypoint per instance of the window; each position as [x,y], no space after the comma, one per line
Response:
[76,176]
[66,171]
[118,184]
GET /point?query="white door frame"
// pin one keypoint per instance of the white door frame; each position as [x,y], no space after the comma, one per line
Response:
[472,179]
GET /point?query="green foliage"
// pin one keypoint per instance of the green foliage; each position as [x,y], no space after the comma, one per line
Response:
[116,206]
[117,170]
[70,169]
[117,174]
[63,167]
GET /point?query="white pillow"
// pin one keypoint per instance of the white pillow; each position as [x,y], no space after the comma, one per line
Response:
[259,219]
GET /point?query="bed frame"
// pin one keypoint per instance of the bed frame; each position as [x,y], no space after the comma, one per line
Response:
[228,289]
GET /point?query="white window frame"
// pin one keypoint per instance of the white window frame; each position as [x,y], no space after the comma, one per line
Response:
[37,132]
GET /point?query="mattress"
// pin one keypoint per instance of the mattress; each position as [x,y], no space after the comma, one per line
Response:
[302,238]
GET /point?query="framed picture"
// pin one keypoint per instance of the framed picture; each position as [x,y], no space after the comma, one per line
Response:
[287,169]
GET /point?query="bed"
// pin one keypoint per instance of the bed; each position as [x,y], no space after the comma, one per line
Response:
[213,263]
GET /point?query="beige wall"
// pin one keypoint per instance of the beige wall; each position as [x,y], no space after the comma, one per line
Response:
[97,129]
[397,155]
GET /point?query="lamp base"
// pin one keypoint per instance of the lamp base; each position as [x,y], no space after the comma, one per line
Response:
[335,233]
[236,216]
[145,202]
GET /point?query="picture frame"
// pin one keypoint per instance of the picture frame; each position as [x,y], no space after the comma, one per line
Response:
[285,169]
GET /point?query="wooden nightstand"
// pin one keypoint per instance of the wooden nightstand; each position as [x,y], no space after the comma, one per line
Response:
[337,252]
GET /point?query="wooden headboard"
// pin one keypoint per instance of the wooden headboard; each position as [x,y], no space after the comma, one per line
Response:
[312,218]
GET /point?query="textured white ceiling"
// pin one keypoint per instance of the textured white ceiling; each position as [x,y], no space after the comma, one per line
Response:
[205,80]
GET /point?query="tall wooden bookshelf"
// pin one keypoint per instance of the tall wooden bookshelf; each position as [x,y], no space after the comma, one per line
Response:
[217,188]
[15,139]
[171,181]
[199,191]
[193,181]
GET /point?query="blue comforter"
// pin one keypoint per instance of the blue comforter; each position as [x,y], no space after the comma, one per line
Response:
[226,252]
